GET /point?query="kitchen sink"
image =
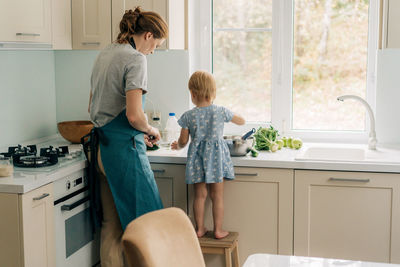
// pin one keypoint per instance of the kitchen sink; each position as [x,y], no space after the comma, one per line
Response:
[332,154]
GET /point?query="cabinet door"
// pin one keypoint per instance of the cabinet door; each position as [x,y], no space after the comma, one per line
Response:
[10,235]
[61,24]
[393,24]
[25,21]
[259,205]
[170,179]
[347,215]
[91,24]
[38,227]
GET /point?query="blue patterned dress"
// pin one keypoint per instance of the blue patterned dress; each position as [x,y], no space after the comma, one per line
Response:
[208,159]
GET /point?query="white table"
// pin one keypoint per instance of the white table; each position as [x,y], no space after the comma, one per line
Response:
[269,260]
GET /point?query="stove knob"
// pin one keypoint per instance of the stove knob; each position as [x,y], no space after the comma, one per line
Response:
[68,185]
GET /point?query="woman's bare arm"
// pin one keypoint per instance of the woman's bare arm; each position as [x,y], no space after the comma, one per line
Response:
[135,114]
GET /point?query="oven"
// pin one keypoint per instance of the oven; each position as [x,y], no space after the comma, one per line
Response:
[76,243]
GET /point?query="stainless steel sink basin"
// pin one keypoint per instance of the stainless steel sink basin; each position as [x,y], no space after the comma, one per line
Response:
[332,154]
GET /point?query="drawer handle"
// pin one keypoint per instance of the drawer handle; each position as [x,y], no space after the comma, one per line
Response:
[159,171]
[246,174]
[41,197]
[27,34]
[91,43]
[349,180]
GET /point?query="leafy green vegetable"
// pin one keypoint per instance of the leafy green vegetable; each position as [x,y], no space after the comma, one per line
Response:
[265,139]
[154,147]
[254,153]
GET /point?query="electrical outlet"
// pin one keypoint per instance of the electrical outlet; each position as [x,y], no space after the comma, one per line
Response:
[156,114]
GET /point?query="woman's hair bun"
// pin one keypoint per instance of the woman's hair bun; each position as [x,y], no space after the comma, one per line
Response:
[138,21]
[137,11]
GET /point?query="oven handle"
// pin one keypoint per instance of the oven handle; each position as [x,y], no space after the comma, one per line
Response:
[75,204]
[63,199]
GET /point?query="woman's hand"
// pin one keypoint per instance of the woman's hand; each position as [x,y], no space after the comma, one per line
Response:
[175,145]
[147,141]
[153,135]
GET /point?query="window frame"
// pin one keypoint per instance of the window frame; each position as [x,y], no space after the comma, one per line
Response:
[200,51]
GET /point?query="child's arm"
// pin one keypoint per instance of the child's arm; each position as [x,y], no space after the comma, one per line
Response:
[237,119]
[182,141]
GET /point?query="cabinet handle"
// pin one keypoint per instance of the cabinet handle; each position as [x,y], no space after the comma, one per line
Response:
[41,197]
[159,171]
[90,43]
[27,34]
[349,180]
[246,174]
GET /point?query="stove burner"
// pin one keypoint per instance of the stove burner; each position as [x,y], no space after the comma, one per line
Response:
[32,160]
[26,156]
[21,151]
[59,151]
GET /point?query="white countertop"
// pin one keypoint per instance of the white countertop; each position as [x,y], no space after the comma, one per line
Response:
[24,180]
[269,260]
[384,159]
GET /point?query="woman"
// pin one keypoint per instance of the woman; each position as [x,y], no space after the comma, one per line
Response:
[118,87]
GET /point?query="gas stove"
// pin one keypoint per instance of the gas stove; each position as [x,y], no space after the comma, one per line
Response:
[27,158]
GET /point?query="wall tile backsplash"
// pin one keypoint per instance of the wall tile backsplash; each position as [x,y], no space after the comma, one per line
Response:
[27,96]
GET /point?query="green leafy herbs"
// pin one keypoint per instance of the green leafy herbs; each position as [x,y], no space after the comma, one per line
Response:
[154,147]
[265,139]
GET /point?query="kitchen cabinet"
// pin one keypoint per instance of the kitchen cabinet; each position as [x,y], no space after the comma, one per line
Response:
[259,205]
[347,215]
[27,232]
[391,24]
[170,179]
[173,11]
[61,25]
[25,21]
[91,24]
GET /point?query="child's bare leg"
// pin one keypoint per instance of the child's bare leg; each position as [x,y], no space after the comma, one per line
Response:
[217,197]
[200,195]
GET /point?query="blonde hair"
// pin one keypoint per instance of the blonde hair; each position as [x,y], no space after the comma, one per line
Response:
[202,84]
[138,22]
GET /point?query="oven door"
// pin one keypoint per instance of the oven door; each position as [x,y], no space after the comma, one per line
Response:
[76,244]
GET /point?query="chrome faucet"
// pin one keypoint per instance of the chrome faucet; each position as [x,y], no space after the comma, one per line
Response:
[372,141]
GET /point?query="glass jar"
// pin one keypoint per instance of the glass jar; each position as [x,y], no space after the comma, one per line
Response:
[6,166]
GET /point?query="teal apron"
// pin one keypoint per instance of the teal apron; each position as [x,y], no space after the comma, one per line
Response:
[128,171]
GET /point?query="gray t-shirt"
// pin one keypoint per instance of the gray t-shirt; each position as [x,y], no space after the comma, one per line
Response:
[117,69]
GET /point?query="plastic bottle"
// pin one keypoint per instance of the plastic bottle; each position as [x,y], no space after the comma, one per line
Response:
[172,129]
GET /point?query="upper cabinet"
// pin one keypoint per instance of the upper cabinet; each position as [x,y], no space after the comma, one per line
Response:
[173,12]
[25,21]
[61,24]
[91,24]
[83,24]
[391,24]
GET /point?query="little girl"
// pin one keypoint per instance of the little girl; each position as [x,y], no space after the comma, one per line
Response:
[208,160]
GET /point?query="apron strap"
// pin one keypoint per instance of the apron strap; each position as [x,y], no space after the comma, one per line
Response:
[90,144]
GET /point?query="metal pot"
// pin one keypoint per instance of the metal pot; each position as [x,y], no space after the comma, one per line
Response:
[238,146]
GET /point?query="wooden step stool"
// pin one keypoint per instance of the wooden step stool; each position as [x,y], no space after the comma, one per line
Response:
[226,245]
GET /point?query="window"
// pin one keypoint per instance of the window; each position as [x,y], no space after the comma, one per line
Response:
[242,56]
[286,61]
[329,60]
